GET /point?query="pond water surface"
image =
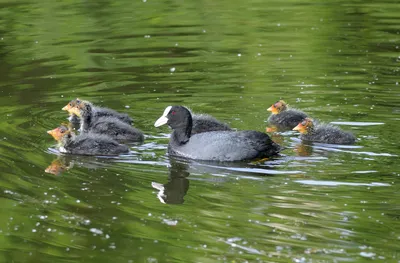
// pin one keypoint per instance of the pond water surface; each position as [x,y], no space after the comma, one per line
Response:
[337,61]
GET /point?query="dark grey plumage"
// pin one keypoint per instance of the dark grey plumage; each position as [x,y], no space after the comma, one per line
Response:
[116,129]
[107,125]
[102,112]
[106,112]
[326,133]
[94,144]
[91,144]
[213,145]
[224,146]
[206,123]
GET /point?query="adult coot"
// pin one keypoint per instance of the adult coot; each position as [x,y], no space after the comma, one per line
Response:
[107,125]
[282,118]
[323,133]
[213,145]
[87,143]
[97,112]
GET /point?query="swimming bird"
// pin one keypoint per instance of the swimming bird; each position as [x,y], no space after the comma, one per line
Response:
[97,112]
[323,133]
[283,118]
[108,125]
[213,145]
[87,143]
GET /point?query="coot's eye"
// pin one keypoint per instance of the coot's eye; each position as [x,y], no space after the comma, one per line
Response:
[173,112]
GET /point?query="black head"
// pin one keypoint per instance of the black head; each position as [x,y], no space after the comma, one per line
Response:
[175,117]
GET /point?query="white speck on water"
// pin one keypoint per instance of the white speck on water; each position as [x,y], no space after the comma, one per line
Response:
[147,36]
[86,222]
[172,69]
[107,236]
[367,254]
[78,201]
[34,230]
[127,106]
[176,44]
[48,229]
[152,260]
[204,31]
[258,54]
[67,249]
[279,24]
[299,260]
[96,231]
[170,222]
[36,42]
[149,214]
[239,55]
[38,224]
[144,1]
[114,218]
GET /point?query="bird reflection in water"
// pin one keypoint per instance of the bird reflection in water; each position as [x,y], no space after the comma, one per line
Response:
[175,189]
[303,150]
[64,163]
[59,165]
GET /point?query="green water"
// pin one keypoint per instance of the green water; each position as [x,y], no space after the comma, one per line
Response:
[337,61]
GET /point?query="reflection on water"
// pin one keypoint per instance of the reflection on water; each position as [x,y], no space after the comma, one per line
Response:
[314,203]
[177,186]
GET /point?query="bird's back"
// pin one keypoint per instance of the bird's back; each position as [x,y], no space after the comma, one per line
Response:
[226,146]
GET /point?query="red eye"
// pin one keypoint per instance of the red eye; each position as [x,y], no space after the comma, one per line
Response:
[173,112]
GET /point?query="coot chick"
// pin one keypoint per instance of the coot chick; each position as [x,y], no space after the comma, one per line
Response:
[206,123]
[213,145]
[323,133]
[107,125]
[97,112]
[283,118]
[87,143]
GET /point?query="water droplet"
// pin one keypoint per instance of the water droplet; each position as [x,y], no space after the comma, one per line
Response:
[96,231]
